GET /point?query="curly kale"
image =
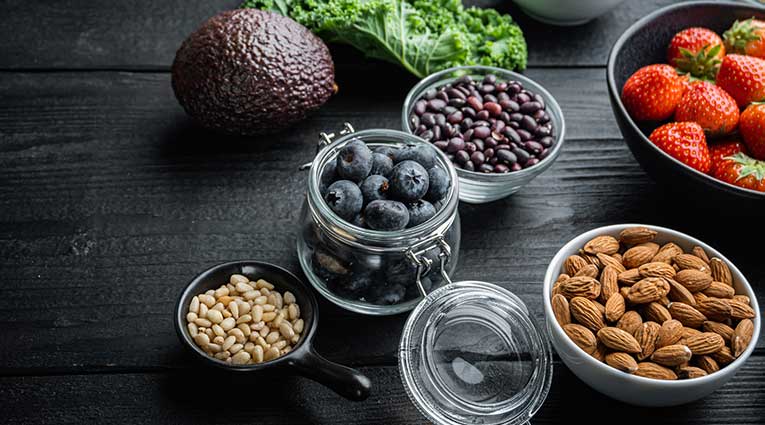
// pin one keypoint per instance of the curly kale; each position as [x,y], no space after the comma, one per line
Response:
[423,36]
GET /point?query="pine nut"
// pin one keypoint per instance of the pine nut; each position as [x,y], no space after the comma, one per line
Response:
[244,328]
[203,322]
[231,289]
[219,306]
[254,337]
[207,300]
[210,334]
[215,348]
[234,308]
[295,339]
[257,354]
[221,292]
[298,326]
[244,319]
[209,292]
[271,354]
[263,284]
[202,340]
[267,317]
[249,347]
[235,348]
[225,300]
[223,355]
[259,300]
[215,316]
[194,305]
[236,278]
[285,312]
[241,357]
[231,340]
[262,342]
[191,317]
[258,326]
[218,340]
[293,312]
[193,329]
[264,291]
[202,310]
[265,331]
[272,337]
[286,330]
[217,330]
[268,307]
[278,300]
[227,314]
[278,320]
[243,287]
[289,298]
[279,344]
[286,350]
[257,313]
[228,323]
[251,295]
[271,299]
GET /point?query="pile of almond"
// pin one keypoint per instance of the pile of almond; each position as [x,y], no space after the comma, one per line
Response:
[652,310]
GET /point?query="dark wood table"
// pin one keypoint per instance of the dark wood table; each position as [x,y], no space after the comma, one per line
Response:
[111,201]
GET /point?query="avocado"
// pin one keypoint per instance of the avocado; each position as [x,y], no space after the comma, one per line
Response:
[250,72]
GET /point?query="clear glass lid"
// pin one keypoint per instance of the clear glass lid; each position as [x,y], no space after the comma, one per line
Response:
[470,354]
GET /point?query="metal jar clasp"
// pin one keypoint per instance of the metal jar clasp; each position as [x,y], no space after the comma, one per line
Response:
[325,139]
[424,264]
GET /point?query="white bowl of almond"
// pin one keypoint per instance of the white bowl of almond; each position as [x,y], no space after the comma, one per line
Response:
[648,315]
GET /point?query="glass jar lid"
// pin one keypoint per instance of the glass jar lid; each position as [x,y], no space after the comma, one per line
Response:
[470,354]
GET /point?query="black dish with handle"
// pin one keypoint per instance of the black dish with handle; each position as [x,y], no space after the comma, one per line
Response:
[645,43]
[303,359]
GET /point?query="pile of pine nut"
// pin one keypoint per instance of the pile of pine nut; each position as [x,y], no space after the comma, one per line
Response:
[245,322]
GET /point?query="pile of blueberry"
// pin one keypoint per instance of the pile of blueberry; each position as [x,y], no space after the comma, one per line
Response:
[487,125]
[384,188]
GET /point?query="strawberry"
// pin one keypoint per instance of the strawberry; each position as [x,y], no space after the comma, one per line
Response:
[696,51]
[746,38]
[721,150]
[709,106]
[684,141]
[743,171]
[743,77]
[653,93]
[752,129]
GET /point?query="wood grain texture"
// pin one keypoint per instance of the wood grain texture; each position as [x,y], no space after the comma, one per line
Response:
[198,397]
[144,34]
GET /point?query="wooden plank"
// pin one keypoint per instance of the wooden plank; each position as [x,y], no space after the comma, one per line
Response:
[145,34]
[191,397]
[110,201]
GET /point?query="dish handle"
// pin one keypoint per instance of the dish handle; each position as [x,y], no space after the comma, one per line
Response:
[343,380]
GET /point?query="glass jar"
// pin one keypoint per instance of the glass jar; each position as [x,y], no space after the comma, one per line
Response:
[368,271]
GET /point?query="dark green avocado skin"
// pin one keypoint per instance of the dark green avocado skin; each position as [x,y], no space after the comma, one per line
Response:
[250,72]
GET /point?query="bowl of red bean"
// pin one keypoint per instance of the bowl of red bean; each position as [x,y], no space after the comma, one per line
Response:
[499,128]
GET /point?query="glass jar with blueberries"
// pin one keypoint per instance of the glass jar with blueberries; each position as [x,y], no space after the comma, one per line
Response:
[380,210]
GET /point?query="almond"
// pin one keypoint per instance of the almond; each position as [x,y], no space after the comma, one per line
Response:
[670,333]
[604,244]
[742,336]
[723,355]
[705,343]
[586,313]
[615,307]
[699,297]
[699,252]
[639,255]
[601,308]
[609,260]
[561,310]
[629,277]
[715,309]
[581,336]
[720,271]
[608,283]
[667,253]
[625,291]
[672,355]
[678,292]
[719,290]
[580,286]
[562,277]
[656,312]
[590,258]
[555,289]
[693,280]
[636,235]
[630,322]
[687,333]
[721,329]
[692,262]
[690,372]
[646,336]
[618,340]
[645,291]
[600,352]
[622,361]
[708,364]
[573,264]
[589,270]
[652,370]
[657,269]
[618,257]
[739,310]
[742,299]
[686,314]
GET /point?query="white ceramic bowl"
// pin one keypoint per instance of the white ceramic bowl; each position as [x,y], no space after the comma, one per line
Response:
[566,12]
[630,388]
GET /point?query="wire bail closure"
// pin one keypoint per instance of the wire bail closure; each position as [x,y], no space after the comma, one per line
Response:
[424,264]
[325,139]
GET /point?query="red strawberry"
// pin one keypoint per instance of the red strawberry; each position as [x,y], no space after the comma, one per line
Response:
[652,93]
[709,106]
[696,51]
[743,77]
[721,150]
[752,129]
[743,171]
[684,141]
[746,38]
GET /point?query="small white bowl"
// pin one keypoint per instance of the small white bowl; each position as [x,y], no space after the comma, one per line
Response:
[623,386]
[566,12]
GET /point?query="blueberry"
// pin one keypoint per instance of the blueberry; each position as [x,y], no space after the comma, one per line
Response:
[420,212]
[386,215]
[374,188]
[328,175]
[359,221]
[381,164]
[344,198]
[387,295]
[359,282]
[408,181]
[329,267]
[438,184]
[354,161]
[400,271]
[425,154]
[388,151]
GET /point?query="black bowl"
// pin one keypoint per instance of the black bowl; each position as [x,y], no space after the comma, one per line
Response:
[302,359]
[645,43]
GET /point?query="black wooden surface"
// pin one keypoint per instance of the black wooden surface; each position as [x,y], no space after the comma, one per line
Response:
[111,200]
